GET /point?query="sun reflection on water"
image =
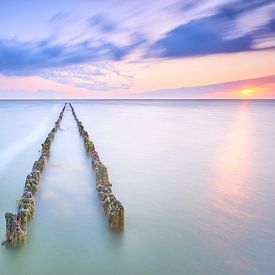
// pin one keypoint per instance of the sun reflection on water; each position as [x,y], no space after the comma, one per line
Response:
[231,192]
[233,169]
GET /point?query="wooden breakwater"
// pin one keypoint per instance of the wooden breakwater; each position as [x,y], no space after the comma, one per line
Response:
[112,207]
[17,223]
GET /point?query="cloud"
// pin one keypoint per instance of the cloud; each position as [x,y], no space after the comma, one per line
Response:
[28,58]
[199,37]
[104,77]
[271,26]
[233,10]
[211,34]
[102,23]
[59,17]
[71,47]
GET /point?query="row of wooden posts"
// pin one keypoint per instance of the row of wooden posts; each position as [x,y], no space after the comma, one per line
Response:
[17,223]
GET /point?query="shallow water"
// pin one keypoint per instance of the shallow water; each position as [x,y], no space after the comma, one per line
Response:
[196,179]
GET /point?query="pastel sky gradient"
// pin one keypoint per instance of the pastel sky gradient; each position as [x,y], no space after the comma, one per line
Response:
[137,49]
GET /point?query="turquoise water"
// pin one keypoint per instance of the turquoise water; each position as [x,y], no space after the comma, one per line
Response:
[196,179]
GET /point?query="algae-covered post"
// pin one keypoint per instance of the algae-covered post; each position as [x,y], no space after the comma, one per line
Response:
[16,224]
[113,208]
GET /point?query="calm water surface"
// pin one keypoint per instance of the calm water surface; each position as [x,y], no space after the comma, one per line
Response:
[196,179]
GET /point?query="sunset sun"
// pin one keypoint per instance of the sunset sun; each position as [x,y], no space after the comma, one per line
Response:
[247,91]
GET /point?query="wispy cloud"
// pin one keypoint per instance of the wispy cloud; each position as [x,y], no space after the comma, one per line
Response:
[59,17]
[214,34]
[28,58]
[104,77]
[86,45]
[102,23]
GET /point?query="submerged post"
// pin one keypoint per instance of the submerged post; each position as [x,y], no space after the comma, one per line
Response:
[112,207]
[17,224]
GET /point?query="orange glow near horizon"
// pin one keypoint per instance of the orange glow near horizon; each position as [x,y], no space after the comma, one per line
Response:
[247,91]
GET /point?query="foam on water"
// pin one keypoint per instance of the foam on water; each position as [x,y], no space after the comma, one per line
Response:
[10,152]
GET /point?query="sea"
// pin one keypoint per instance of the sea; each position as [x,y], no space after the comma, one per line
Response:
[196,179]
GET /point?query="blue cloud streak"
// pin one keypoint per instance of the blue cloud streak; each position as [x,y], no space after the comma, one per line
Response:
[25,58]
[198,37]
[206,35]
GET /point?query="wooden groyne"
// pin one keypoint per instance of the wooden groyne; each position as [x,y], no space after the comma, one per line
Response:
[17,223]
[113,208]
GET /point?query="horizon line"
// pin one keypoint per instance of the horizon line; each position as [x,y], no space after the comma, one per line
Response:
[125,99]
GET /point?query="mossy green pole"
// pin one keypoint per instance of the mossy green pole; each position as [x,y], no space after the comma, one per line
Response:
[112,207]
[17,224]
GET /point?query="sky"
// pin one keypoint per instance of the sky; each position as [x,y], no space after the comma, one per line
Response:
[137,49]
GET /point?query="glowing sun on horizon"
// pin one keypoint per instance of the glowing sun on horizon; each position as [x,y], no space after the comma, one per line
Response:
[247,91]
